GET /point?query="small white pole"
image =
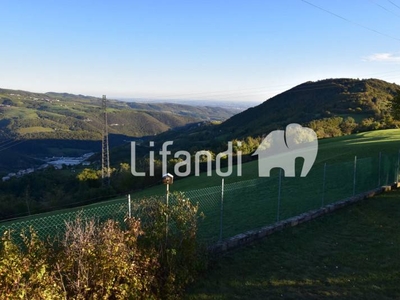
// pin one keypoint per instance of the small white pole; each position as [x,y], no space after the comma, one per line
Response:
[398,166]
[323,186]
[166,216]
[279,196]
[355,175]
[379,169]
[129,206]
[167,193]
[222,209]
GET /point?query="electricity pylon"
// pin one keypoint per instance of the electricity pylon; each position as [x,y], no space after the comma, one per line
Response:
[105,153]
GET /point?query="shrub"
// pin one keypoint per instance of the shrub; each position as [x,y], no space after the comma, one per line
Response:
[172,232]
[27,273]
[103,261]
[149,258]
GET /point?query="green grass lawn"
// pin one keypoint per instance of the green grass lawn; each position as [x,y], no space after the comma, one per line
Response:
[22,113]
[34,129]
[331,151]
[351,254]
[251,202]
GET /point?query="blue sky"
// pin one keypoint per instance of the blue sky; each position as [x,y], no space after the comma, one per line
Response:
[213,50]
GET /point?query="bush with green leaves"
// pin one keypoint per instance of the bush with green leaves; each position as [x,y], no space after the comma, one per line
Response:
[103,261]
[152,256]
[171,231]
[27,272]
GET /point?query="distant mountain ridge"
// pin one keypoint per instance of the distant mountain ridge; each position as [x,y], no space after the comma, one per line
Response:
[35,125]
[53,115]
[332,107]
[209,113]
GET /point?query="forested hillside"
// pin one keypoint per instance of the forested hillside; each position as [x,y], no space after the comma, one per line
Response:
[332,107]
[209,113]
[26,115]
[35,125]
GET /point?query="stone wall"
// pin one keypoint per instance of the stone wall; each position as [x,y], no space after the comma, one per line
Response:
[253,235]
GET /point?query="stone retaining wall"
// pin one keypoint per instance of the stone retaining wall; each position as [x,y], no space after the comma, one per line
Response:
[253,235]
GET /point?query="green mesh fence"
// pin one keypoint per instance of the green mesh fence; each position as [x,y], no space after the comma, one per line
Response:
[237,207]
[209,201]
[53,225]
[251,204]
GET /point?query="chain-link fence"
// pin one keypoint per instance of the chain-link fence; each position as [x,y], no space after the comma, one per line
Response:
[233,208]
[53,224]
[237,207]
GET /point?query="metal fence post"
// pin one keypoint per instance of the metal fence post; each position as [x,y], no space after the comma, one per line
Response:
[387,178]
[395,172]
[27,205]
[222,210]
[129,206]
[166,215]
[398,165]
[279,195]
[355,175]
[323,186]
[379,169]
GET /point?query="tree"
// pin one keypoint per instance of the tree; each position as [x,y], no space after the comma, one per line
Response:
[90,177]
[395,106]
[348,125]
[88,174]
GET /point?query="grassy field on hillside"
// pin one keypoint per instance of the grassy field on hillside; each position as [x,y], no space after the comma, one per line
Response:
[331,151]
[34,129]
[351,254]
[251,202]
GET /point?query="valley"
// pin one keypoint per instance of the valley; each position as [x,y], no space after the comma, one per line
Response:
[59,178]
[200,150]
[355,106]
[35,125]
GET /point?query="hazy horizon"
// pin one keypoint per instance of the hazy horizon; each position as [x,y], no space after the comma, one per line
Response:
[209,50]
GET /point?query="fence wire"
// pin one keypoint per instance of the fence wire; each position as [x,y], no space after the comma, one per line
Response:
[236,207]
[53,225]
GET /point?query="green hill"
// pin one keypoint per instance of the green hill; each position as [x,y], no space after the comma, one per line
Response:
[332,107]
[207,113]
[26,115]
[363,102]
[36,125]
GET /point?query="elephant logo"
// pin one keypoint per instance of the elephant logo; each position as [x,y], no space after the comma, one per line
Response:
[279,149]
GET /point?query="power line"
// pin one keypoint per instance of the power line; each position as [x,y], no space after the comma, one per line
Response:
[385,9]
[6,142]
[351,22]
[12,145]
[394,4]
